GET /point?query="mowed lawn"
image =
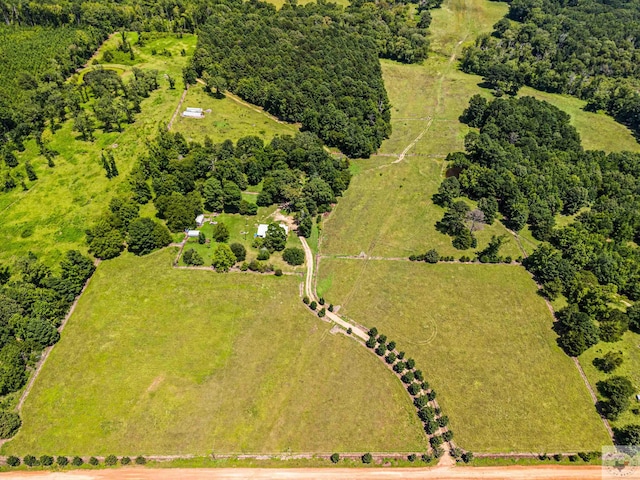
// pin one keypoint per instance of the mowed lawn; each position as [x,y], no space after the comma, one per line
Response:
[483,338]
[157,360]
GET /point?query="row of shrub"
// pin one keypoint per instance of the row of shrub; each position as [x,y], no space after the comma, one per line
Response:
[432,256]
[421,392]
[313,305]
[48,460]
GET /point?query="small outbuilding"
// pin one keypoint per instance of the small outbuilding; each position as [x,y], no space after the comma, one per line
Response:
[200,220]
[193,112]
[193,233]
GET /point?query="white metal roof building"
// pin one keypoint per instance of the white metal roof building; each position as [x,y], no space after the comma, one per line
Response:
[262,229]
[200,219]
[193,233]
[193,112]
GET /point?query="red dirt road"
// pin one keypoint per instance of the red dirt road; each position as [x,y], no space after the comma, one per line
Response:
[551,472]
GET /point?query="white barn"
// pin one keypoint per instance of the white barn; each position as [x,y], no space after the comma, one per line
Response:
[200,219]
[193,233]
[193,112]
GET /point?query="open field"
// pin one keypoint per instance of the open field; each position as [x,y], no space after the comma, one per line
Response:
[228,119]
[169,361]
[52,216]
[483,338]
[629,346]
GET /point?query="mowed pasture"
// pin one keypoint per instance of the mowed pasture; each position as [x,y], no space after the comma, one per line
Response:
[229,118]
[52,216]
[483,337]
[158,360]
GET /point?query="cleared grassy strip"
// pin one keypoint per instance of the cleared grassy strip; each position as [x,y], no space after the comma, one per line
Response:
[483,338]
[228,119]
[169,361]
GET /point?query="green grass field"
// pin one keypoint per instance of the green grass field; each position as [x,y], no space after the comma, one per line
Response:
[483,338]
[52,216]
[630,348]
[228,119]
[157,360]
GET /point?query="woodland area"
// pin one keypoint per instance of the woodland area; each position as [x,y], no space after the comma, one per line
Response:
[589,49]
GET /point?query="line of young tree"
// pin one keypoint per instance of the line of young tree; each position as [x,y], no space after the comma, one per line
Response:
[33,302]
[435,424]
[589,49]
[63,461]
[325,75]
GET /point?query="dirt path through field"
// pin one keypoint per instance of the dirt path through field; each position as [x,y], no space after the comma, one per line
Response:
[550,472]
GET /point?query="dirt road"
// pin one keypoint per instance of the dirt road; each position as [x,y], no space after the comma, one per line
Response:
[551,472]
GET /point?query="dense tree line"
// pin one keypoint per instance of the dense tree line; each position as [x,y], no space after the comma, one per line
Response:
[184,179]
[589,49]
[33,303]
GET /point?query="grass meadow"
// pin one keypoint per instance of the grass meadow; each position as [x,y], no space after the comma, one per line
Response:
[483,337]
[629,346]
[228,119]
[157,360]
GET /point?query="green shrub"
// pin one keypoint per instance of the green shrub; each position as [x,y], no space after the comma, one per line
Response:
[293,256]
[382,339]
[367,458]
[62,461]
[447,436]
[313,305]
[426,458]
[431,256]
[140,460]
[77,461]
[391,345]
[125,460]
[557,457]
[418,375]
[305,300]
[322,313]
[30,461]
[467,457]
[94,461]
[335,458]
[381,350]
[411,363]
[13,461]
[331,307]
[390,358]
[46,460]
[9,424]
[400,355]
[321,300]
[349,331]
[278,272]
[239,251]
[111,460]
[373,332]
[412,457]
[435,441]
[263,254]
[414,389]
